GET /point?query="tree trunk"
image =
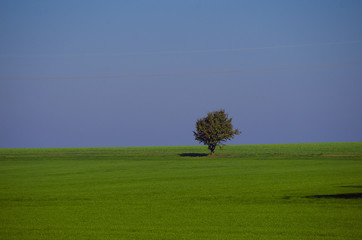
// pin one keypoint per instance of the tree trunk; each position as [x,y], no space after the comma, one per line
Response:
[212,149]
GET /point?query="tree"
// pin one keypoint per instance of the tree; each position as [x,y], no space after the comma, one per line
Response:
[214,129]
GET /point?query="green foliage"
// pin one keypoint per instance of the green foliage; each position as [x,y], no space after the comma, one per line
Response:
[215,129]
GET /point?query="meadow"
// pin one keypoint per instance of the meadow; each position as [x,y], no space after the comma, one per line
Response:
[282,191]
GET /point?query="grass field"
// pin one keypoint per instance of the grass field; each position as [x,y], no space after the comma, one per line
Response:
[284,191]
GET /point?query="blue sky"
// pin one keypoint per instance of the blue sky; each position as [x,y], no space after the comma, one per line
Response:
[123,73]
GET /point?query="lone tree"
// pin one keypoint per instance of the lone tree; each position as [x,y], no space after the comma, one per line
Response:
[214,129]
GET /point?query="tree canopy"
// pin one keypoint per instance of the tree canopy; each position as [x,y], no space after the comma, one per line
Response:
[215,129]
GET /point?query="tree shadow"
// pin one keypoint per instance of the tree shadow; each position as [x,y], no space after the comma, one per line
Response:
[193,154]
[338,196]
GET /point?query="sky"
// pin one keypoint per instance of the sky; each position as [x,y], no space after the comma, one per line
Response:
[140,73]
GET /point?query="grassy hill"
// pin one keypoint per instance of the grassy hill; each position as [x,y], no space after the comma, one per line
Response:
[282,191]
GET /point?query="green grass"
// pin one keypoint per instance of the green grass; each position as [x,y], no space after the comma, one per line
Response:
[284,191]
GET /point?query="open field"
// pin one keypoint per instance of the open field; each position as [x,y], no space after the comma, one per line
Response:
[284,191]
